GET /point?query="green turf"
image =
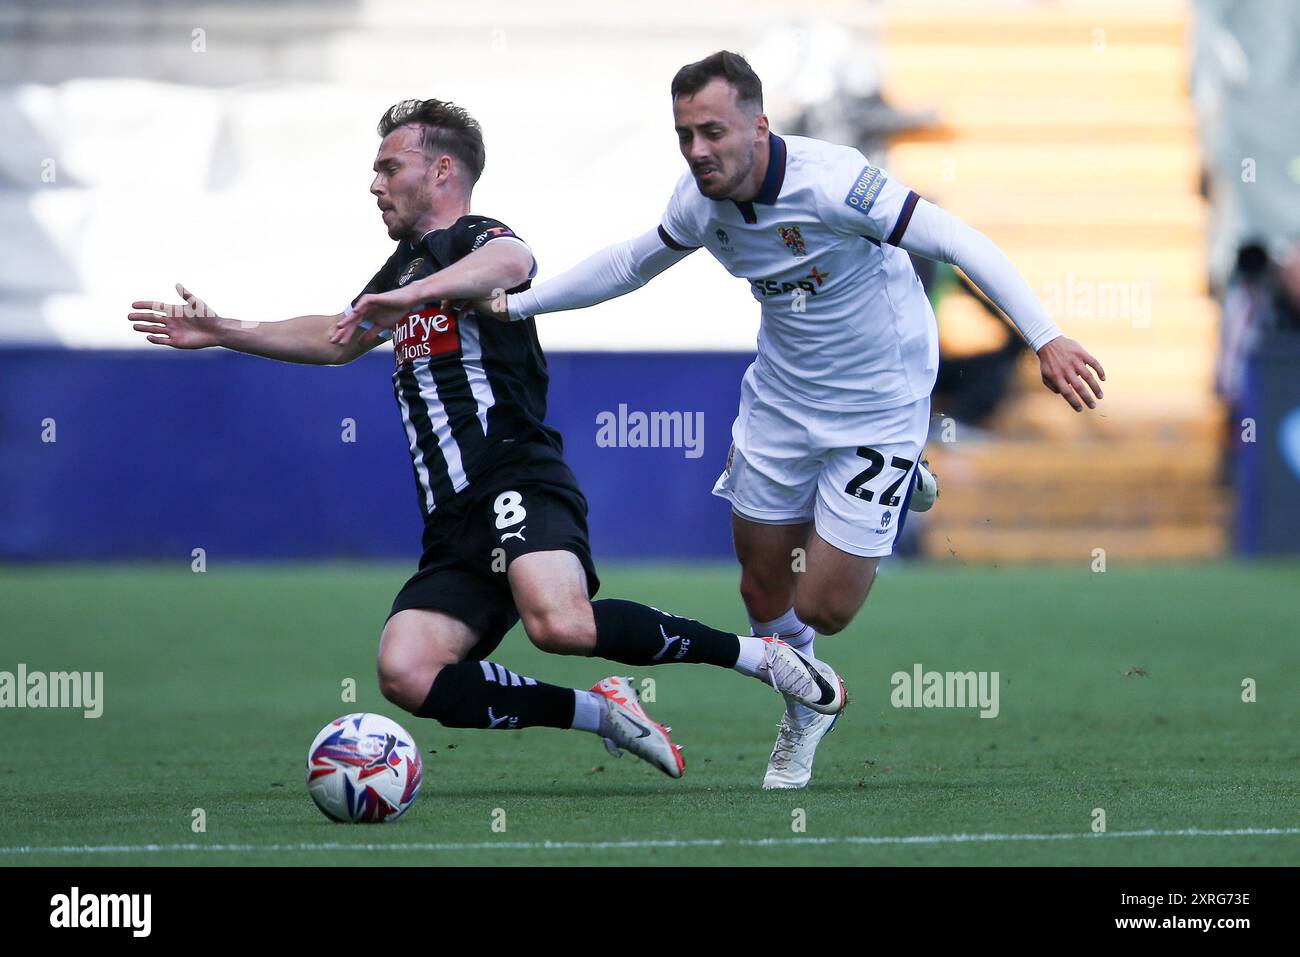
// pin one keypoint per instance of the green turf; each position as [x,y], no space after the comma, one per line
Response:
[215,684]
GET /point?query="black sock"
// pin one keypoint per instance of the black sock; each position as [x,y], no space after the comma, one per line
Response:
[480,694]
[635,634]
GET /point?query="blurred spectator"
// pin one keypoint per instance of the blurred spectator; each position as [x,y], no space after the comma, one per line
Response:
[1262,296]
[1245,80]
[1286,303]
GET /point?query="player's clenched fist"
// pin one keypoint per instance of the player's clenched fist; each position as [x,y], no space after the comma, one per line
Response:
[1067,370]
[191,324]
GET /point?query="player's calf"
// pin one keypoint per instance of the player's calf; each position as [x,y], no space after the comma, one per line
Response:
[822,619]
[635,634]
[767,569]
[828,610]
[640,635]
[834,588]
[764,599]
[484,694]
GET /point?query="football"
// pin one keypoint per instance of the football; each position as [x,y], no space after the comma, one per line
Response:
[363,768]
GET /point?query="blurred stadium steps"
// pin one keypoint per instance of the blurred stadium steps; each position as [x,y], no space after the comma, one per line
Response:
[1067,136]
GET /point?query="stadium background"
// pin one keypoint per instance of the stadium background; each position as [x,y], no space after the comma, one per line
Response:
[237,162]
[228,145]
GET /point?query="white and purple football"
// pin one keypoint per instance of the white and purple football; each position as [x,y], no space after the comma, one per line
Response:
[364,768]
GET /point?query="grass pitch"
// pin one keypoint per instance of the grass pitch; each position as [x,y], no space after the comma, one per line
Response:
[1120,691]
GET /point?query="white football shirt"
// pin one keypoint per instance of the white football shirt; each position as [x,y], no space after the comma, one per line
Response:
[846,324]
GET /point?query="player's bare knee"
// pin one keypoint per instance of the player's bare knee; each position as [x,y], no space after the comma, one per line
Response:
[562,629]
[396,689]
[406,686]
[406,667]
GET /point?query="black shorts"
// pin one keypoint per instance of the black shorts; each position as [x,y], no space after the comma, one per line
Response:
[529,506]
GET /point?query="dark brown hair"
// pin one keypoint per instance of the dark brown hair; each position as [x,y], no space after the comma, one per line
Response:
[732,67]
[444,128]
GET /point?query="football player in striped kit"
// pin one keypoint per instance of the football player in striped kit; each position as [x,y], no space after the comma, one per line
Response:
[505,524]
[834,412]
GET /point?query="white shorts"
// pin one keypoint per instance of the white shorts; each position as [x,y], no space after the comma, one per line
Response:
[849,472]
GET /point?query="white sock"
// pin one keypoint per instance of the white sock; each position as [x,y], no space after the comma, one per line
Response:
[800,636]
[588,711]
[789,629]
[751,655]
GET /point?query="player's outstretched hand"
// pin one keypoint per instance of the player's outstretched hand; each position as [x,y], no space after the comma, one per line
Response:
[377,312]
[191,324]
[1067,369]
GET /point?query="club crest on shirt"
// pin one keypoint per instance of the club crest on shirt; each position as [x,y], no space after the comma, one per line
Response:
[793,240]
[411,269]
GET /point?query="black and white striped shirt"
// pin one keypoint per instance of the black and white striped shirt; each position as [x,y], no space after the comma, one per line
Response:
[472,392]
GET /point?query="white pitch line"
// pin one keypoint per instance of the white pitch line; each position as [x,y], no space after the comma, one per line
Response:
[646,844]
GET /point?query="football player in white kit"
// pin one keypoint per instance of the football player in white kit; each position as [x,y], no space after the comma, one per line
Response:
[834,411]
